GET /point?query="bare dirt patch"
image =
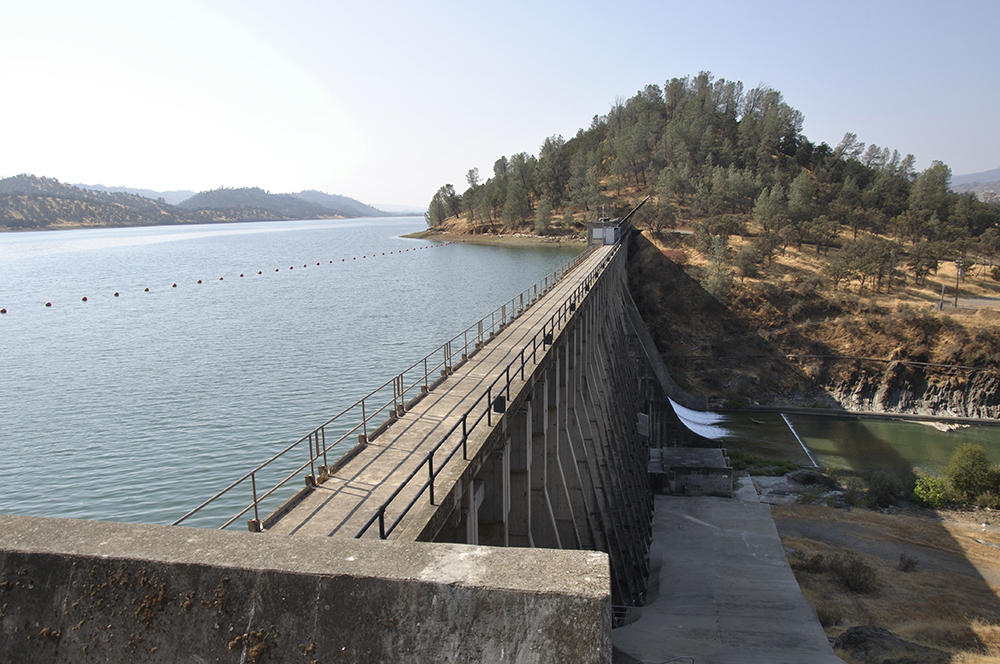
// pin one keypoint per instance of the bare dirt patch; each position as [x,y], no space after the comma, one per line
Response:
[937,573]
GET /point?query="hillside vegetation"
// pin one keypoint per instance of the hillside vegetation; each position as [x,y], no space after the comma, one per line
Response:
[795,249]
[33,203]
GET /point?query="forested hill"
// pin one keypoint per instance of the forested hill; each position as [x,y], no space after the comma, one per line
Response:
[30,202]
[844,256]
[347,207]
[728,162]
[250,202]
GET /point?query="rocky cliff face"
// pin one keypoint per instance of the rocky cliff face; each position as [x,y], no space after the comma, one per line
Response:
[908,388]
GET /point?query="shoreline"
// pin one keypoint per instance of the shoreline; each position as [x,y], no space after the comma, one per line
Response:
[509,240]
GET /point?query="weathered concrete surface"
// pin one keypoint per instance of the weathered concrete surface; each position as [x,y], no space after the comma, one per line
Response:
[691,471]
[342,505]
[88,591]
[721,590]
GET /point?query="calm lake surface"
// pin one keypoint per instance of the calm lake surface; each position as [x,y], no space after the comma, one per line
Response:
[138,407]
[854,443]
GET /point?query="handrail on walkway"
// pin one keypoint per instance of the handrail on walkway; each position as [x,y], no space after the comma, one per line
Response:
[485,404]
[416,380]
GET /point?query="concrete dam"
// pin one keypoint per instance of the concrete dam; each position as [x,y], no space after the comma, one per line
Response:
[498,508]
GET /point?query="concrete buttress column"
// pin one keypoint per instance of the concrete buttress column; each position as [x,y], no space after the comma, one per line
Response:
[519,514]
[543,522]
[558,483]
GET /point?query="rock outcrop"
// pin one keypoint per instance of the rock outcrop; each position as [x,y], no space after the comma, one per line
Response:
[915,389]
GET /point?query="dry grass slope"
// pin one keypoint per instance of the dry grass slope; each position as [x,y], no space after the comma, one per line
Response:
[948,600]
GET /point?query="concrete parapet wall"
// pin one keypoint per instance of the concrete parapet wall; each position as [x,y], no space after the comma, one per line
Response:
[87,591]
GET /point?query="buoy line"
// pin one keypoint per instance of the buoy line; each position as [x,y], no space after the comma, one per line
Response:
[290,267]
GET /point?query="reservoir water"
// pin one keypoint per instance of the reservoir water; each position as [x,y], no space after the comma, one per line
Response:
[855,444]
[136,407]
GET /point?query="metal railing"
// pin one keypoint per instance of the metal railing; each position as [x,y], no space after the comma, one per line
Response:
[389,400]
[483,408]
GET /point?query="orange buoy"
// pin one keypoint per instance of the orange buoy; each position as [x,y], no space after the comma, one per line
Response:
[199,281]
[116,293]
[275,269]
[317,263]
[145,290]
[303,265]
[84,298]
[48,304]
[220,278]
[3,311]
[241,274]
[291,267]
[173,285]
[259,272]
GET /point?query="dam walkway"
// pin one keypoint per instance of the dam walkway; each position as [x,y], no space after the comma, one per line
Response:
[371,494]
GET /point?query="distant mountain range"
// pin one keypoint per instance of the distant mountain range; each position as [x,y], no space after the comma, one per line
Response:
[985,176]
[985,185]
[30,202]
[171,197]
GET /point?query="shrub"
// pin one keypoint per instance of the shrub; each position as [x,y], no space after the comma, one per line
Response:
[930,491]
[883,488]
[968,472]
[829,617]
[989,500]
[800,561]
[907,564]
[677,256]
[758,465]
[853,494]
[856,575]
[814,564]
[810,495]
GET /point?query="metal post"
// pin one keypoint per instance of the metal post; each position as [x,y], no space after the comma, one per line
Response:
[364,421]
[253,483]
[312,459]
[430,472]
[323,433]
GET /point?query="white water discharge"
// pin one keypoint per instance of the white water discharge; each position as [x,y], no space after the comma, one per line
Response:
[700,422]
[795,433]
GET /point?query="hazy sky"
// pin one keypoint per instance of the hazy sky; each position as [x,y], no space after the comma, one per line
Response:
[387,101]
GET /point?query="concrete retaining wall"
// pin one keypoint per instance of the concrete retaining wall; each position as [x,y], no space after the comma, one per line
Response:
[702,482]
[87,591]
